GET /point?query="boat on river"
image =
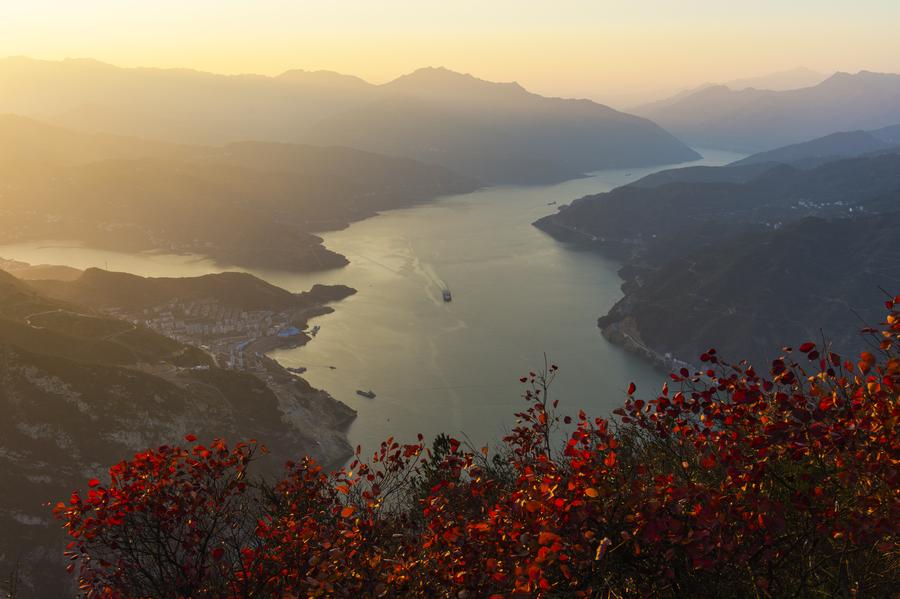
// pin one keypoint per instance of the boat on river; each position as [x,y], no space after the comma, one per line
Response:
[446,294]
[370,394]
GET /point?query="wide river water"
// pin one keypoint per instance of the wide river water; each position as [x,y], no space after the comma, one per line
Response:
[440,366]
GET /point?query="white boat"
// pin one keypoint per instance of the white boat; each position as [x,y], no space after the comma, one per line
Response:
[370,394]
[447,296]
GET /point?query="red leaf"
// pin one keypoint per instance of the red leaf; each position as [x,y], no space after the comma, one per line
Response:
[190,438]
[632,388]
[93,482]
[547,537]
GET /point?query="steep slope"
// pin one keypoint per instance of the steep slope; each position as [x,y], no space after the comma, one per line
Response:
[755,120]
[743,295]
[79,389]
[738,263]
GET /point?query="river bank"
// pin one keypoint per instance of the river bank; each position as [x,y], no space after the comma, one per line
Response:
[447,367]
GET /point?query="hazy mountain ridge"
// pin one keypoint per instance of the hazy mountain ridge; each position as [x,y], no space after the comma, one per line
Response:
[247,204]
[499,132]
[411,116]
[778,81]
[755,120]
[826,149]
[804,155]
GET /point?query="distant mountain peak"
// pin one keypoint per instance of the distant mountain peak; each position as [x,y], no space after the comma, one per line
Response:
[788,79]
[443,80]
[87,61]
[859,75]
[323,77]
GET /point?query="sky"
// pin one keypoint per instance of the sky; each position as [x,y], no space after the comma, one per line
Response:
[620,51]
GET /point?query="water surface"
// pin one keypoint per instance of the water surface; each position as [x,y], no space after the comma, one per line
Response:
[438,366]
[517,294]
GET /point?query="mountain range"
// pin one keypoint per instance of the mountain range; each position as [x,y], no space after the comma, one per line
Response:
[777,81]
[753,120]
[489,132]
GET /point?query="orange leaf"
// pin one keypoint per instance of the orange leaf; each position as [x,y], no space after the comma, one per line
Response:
[547,537]
[610,459]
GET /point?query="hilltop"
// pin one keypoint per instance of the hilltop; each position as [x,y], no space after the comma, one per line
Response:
[844,144]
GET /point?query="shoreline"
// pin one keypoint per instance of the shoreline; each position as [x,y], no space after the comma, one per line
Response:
[620,330]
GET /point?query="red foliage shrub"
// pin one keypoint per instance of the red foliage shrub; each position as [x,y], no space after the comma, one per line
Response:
[726,484]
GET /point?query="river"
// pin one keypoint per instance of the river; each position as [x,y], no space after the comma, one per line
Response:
[440,366]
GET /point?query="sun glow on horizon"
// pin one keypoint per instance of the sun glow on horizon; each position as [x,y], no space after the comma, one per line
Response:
[604,50]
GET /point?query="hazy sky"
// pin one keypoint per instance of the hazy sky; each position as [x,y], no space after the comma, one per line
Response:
[605,49]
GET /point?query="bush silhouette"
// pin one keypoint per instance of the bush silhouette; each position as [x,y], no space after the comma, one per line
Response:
[726,483]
